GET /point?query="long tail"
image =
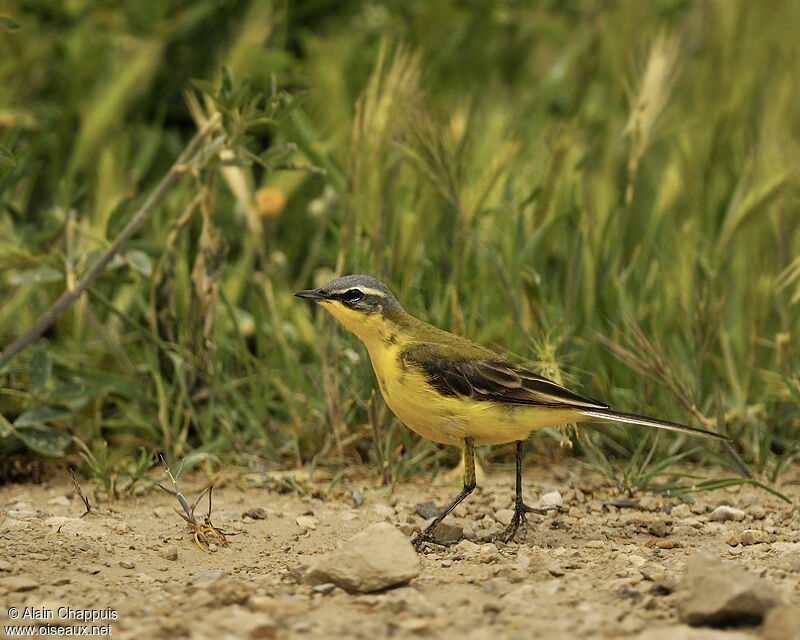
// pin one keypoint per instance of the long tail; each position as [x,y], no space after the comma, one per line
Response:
[632,418]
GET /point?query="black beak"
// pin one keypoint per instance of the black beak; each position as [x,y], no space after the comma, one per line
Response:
[311,294]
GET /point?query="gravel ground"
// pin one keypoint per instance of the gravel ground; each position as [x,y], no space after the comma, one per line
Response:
[589,570]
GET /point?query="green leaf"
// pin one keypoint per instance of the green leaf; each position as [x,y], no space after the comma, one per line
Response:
[204,86]
[40,369]
[6,156]
[44,440]
[8,24]
[139,261]
[35,276]
[6,428]
[40,415]
[115,263]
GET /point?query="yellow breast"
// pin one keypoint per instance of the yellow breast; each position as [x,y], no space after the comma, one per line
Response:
[448,420]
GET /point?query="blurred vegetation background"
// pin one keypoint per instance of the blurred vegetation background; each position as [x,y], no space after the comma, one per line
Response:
[604,190]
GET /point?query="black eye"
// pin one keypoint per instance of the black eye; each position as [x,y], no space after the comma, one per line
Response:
[352,295]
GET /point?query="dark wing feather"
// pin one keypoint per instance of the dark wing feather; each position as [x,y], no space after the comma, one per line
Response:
[490,379]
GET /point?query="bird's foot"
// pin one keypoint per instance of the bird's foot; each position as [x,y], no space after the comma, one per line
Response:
[520,518]
[427,536]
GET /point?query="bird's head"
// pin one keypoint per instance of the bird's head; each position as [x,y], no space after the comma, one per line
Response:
[362,304]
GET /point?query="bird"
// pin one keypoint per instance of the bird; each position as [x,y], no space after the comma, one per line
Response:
[453,391]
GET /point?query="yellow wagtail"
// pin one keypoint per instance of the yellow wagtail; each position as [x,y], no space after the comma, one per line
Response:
[450,390]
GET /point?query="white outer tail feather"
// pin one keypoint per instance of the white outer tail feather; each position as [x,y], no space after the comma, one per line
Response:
[632,418]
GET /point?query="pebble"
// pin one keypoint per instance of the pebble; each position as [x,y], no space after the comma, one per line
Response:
[127,564]
[714,593]
[649,503]
[551,499]
[725,513]
[757,511]
[235,621]
[427,510]
[594,544]
[207,577]
[503,516]
[754,536]
[163,512]
[690,633]
[782,623]
[748,537]
[377,558]
[12,524]
[170,552]
[59,501]
[659,528]
[448,533]
[488,554]
[325,588]
[307,522]
[636,561]
[383,511]
[681,510]
[18,583]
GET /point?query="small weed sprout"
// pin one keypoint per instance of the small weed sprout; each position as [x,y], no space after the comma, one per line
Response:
[76,488]
[204,533]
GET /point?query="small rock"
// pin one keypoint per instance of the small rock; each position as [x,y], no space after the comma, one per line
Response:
[782,623]
[325,588]
[754,536]
[725,513]
[757,511]
[649,503]
[12,524]
[307,522]
[594,544]
[170,552]
[383,511]
[127,564]
[636,561]
[91,569]
[689,633]
[659,528]
[551,499]
[237,622]
[5,565]
[503,516]
[207,577]
[448,533]
[427,510]
[59,501]
[488,554]
[18,583]
[627,592]
[717,594]
[163,512]
[681,510]
[467,548]
[258,513]
[698,508]
[377,558]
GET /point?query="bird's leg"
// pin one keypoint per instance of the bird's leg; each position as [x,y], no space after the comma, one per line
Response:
[520,508]
[469,486]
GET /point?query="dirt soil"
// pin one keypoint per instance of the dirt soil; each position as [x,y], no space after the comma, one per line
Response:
[592,570]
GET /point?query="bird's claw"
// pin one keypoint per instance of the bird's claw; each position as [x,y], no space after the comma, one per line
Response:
[520,518]
[426,536]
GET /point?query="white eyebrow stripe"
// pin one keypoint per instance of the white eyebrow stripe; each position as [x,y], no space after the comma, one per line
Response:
[364,290]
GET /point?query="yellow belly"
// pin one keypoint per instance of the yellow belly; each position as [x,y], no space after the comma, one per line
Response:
[448,420]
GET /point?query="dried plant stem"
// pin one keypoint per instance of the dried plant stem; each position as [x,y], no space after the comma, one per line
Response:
[155,198]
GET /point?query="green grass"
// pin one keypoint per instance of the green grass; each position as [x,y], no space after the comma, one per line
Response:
[606,191]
